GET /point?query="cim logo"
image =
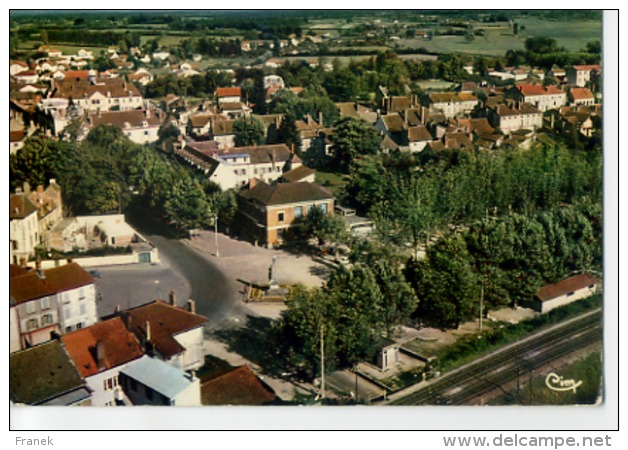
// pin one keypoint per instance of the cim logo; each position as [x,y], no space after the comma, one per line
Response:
[557,383]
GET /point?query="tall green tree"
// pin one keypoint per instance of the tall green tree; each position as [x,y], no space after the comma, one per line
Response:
[288,132]
[353,138]
[248,130]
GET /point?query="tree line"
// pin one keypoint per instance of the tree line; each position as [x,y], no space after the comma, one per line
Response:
[107,173]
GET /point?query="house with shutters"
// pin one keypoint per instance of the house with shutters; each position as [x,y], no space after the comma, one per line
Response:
[100,352]
[451,104]
[581,96]
[94,94]
[266,212]
[60,300]
[515,116]
[542,98]
[580,75]
[140,126]
[23,227]
[233,167]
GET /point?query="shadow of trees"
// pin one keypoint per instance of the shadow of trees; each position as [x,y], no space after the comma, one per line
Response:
[259,342]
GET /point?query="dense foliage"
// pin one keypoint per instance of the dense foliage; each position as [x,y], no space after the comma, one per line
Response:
[107,172]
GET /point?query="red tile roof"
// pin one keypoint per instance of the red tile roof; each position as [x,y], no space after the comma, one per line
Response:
[537,89]
[531,89]
[166,321]
[566,286]
[120,346]
[76,75]
[59,279]
[76,89]
[17,135]
[581,93]
[237,386]
[228,92]
[588,67]
[16,271]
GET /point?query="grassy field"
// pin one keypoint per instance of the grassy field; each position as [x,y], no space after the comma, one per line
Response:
[497,40]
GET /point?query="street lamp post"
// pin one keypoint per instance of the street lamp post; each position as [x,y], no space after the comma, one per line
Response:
[216,235]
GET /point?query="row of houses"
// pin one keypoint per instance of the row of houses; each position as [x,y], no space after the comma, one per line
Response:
[61,354]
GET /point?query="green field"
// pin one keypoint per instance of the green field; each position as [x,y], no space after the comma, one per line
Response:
[572,35]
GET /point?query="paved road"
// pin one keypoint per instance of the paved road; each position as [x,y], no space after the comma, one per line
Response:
[216,296]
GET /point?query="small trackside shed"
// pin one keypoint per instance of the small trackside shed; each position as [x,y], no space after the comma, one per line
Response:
[565,291]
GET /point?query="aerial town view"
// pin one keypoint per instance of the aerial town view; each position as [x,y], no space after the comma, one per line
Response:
[306,207]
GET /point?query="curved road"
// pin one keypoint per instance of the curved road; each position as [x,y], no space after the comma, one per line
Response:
[215,295]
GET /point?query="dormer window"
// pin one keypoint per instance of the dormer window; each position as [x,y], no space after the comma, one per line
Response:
[144,124]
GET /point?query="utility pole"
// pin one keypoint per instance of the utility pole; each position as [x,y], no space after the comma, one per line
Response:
[216,235]
[322,361]
[481,303]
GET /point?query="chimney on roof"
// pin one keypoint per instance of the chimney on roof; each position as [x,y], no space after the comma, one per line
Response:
[320,118]
[192,306]
[148,331]
[26,187]
[100,354]
[308,119]
[423,115]
[173,298]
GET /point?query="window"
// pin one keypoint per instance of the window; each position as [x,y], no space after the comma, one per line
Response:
[68,329]
[82,309]
[67,313]
[30,307]
[46,319]
[298,212]
[280,217]
[323,207]
[569,294]
[110,383]
[15,245]
[81,294]
[31,324]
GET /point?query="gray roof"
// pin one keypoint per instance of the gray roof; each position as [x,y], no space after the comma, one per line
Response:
[158,375]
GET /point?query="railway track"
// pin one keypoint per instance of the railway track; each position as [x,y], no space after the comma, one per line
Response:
[486,374]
